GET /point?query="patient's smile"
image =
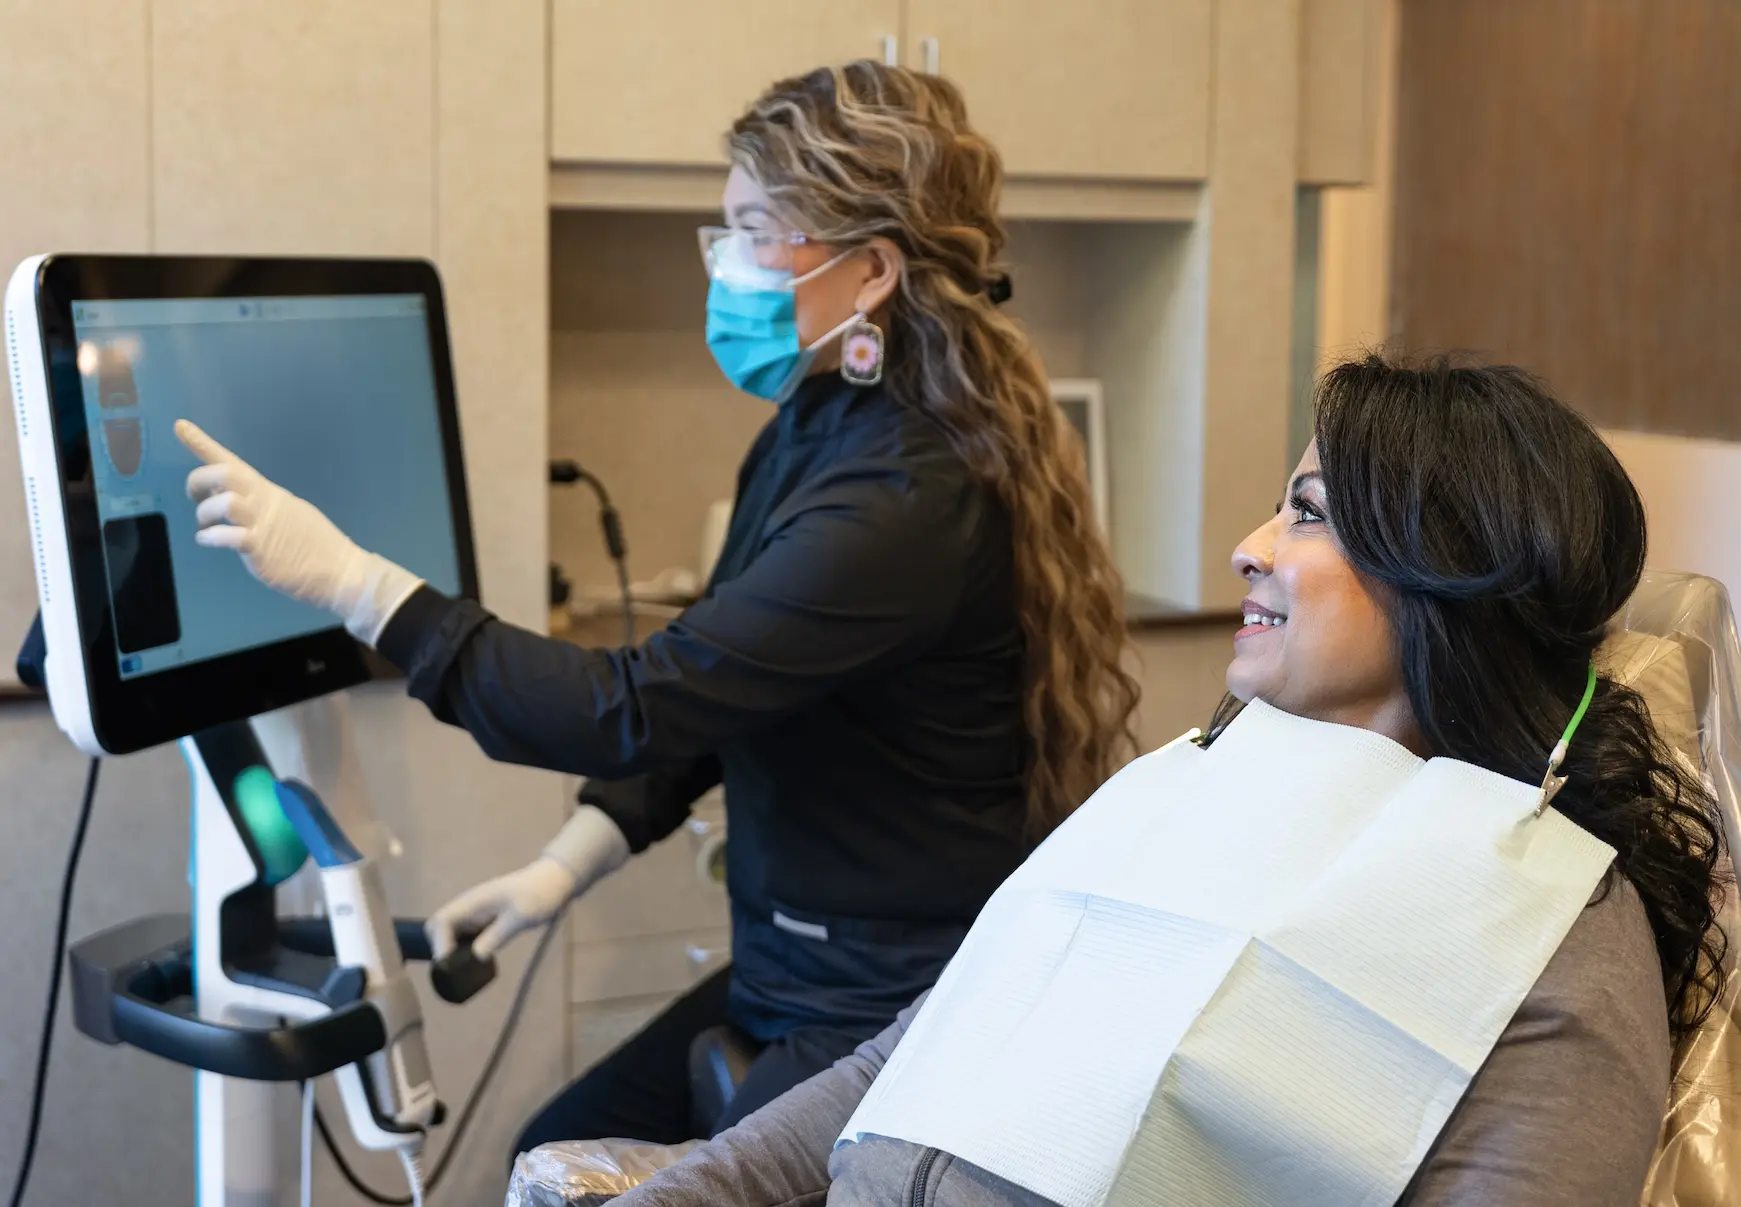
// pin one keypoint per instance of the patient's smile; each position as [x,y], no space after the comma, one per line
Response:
[1258,619]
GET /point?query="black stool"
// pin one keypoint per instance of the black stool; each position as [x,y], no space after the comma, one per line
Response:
[719,1060]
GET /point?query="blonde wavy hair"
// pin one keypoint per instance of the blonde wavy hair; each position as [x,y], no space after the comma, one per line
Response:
[849,154]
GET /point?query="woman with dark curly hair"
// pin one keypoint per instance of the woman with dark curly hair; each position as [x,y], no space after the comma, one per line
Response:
[1466,994]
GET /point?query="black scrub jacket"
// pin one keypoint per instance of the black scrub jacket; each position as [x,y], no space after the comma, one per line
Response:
[853,676]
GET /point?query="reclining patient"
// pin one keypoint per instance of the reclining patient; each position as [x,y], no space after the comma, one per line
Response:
[1362,942]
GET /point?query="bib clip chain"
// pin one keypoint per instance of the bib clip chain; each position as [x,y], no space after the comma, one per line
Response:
[1551,783]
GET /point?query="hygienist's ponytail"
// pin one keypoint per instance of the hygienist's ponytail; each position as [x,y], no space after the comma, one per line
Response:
[869,151]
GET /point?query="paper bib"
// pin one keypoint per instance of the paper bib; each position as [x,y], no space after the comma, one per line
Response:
[1260,973]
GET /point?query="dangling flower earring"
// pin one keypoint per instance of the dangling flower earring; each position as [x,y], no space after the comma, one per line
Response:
[861,352]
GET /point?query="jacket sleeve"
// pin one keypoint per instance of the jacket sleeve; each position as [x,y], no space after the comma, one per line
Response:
[649,806]
[862,572]
[779,1155]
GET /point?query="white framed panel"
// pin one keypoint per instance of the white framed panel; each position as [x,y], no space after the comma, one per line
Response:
[1084,405]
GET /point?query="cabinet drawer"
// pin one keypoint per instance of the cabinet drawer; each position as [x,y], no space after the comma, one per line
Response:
[656,964]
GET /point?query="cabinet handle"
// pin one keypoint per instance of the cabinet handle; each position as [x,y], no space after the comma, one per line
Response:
[710,861]
[928,55]
[891,51]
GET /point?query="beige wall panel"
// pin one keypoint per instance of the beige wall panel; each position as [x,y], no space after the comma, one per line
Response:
[73,157]
[493,245]
[1340,66]
[475,818]
[1250,289]
[294,128]
[1355,226]
[658,81]
[1114,88]
[73,139]
[1691,489]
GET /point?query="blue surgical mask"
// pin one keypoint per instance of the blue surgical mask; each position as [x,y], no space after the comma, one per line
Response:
[752,322]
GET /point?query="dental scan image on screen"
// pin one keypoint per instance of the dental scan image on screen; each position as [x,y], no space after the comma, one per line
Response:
[334,398]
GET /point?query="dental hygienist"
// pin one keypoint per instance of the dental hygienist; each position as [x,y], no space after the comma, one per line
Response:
[906,668]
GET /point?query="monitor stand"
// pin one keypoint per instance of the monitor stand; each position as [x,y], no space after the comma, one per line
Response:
[252,1000]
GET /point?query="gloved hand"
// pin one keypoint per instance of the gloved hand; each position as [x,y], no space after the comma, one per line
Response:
[587,848]
[287,543]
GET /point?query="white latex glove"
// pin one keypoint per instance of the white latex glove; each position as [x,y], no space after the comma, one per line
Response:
[287,543]
[589,847]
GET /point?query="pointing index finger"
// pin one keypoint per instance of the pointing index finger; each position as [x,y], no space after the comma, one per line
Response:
[200,444]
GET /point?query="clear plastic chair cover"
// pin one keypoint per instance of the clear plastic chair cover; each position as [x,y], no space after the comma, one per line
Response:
[1676,643]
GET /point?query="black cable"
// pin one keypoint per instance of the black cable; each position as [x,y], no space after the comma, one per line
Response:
[566,473]
[629,634]
[350,1175]
[357,1184]
[464,1118]
[60,927]
[494,1059]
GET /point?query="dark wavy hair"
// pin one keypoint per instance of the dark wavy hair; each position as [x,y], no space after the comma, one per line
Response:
[1502,536]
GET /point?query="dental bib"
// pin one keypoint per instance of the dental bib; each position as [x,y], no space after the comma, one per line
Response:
[1261,973]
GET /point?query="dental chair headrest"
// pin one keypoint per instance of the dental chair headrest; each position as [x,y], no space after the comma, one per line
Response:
[1675,643]
[1656,668]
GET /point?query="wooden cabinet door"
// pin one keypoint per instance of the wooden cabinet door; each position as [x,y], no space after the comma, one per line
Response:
[1114,89]
[1342,50]
[659,81]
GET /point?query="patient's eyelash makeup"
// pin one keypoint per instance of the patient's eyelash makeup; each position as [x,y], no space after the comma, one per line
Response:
[1308,511]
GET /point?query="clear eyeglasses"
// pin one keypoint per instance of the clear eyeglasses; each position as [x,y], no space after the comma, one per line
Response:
[734,247]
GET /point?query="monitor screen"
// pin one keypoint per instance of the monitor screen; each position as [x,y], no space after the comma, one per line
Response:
[331,377]
[332,397]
